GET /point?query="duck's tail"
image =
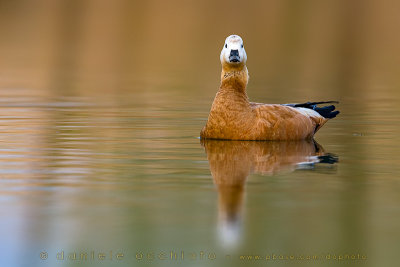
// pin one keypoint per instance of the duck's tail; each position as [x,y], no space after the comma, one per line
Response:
[327,112]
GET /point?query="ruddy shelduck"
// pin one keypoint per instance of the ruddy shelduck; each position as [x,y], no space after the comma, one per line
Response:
[234,117]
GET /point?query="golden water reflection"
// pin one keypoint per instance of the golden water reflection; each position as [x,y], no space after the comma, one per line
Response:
[231,163]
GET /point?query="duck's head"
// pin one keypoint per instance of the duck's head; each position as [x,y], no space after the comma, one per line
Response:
[233,54]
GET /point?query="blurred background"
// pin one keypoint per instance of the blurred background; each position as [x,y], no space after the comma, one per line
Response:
[65,46]
[102,102]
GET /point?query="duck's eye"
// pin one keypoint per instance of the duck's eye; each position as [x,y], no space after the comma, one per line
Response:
[226,46]
[242,45]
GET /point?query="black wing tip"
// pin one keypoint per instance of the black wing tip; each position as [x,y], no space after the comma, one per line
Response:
[313,104]
[327,112]
[332,114]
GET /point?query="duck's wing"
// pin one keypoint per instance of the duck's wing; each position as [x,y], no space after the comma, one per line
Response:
[283,122]
[327,112]
[311,104]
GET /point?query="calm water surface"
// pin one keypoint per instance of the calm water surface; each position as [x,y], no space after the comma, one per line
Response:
[121,174]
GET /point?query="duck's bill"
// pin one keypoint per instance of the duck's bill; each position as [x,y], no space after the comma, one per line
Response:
[234,59]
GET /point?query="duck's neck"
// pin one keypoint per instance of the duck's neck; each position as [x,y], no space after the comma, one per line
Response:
[234,79]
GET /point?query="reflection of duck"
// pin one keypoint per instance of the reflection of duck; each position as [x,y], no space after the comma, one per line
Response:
[233,117]
[231,162]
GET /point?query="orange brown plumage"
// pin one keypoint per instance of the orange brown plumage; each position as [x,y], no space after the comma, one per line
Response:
[234,117]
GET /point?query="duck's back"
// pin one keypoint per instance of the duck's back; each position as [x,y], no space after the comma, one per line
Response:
[280,122]
[235,118]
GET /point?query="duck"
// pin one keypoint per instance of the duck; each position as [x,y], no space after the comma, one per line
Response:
[234,117]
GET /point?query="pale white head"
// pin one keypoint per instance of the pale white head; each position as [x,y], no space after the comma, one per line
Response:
[233,51]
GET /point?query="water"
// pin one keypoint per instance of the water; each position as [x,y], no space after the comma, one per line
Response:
[84,174]
[99,138]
